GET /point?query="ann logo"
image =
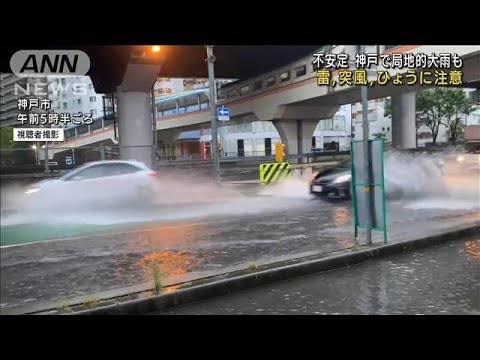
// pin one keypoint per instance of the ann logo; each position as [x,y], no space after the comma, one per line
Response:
[57,65]
[39,63]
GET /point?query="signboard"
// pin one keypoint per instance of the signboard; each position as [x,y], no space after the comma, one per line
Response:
[375,190]
[223,114]
[38,134]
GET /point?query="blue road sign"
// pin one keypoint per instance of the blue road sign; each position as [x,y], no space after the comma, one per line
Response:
[223,114]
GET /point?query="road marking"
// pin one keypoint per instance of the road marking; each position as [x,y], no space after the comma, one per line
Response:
[120,233]
[106,234]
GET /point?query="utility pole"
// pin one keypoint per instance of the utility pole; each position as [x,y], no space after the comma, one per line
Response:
[213,113]
[366,158]
[154,126]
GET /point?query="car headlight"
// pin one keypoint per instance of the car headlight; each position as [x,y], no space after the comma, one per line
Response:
[342,179]
[31,191]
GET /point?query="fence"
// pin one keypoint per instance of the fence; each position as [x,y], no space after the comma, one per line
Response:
[30,161]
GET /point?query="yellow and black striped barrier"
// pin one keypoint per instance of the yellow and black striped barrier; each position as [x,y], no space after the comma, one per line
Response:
[271,173]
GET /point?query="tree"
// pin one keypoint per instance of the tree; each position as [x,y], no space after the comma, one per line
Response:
[457,105]
[6,137]
[457,137]
[440,106]
[431,110]
[12,156]
[6,140]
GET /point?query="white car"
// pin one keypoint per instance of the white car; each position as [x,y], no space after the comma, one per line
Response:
[100,183]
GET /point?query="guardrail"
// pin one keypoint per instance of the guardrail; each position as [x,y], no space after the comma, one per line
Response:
[32,160]
[301,158]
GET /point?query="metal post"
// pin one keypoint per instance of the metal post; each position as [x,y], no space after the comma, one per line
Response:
[213,113]
[47,170]
[154,125]
[36,154]
[47,165]
[366,160]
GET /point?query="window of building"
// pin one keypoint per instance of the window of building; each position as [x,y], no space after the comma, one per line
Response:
[244,90]
[388,128]
[301,70]
[270,81]
[93,98]
[168,90]
[257,85]
[383,129]
[285,76]
[64,105]
[90,86]
[79,101]
[64,81]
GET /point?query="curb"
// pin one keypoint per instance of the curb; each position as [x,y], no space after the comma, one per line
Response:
[279,273]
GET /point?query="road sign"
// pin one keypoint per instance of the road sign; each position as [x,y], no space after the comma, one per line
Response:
[223,114]
[375,190]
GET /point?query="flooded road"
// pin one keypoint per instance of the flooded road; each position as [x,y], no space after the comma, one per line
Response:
[436,280]
[200,231]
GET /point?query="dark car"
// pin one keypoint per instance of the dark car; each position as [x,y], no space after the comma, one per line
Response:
[333,182]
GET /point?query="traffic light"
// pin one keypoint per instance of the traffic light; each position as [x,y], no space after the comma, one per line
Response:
[279,152]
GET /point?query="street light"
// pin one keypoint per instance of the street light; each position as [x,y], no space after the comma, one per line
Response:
[155,48]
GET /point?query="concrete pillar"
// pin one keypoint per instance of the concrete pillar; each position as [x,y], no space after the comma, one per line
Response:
[404,130]
[135,126]
[296,135]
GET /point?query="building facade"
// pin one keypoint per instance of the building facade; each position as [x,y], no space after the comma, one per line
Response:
[74,94]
